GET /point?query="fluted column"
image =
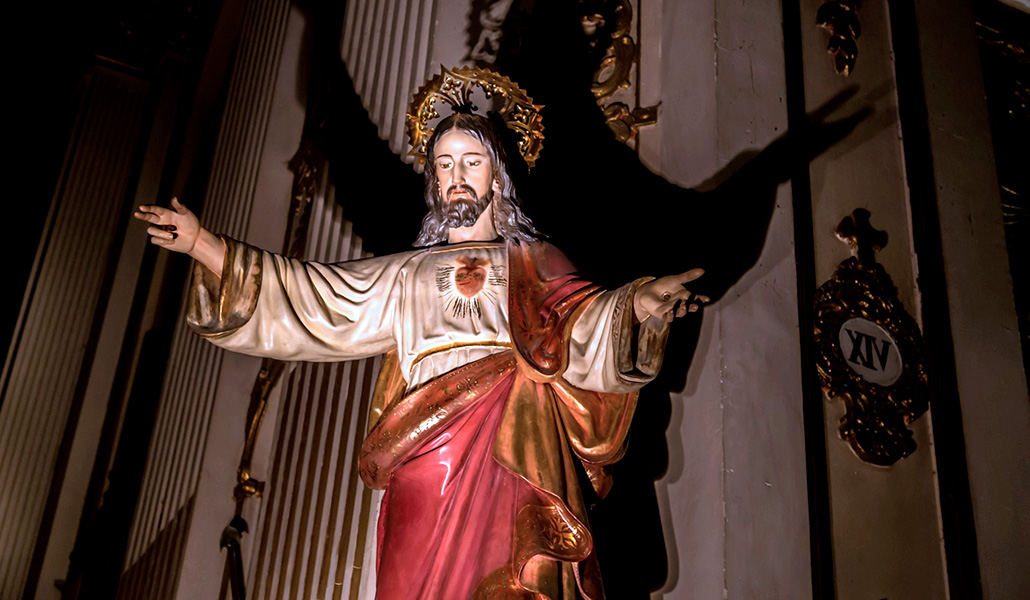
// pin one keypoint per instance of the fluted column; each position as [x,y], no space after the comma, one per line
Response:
[177,457]
[390,47]
[314,533]
[48,361]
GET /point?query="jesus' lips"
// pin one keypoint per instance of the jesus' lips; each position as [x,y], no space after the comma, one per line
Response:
[454,189]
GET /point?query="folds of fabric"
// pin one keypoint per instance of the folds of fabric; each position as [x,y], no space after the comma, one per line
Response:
[458,522]
[414,421]
[480,463]
[543,295]
[446,518]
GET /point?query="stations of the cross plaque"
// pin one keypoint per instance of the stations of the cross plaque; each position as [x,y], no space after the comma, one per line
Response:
[869,349]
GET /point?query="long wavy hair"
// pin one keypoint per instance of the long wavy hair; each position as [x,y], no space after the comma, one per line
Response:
[509,221]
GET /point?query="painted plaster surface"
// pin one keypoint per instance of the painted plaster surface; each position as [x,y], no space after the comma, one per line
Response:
[885,521]
[992,386]
[735,494]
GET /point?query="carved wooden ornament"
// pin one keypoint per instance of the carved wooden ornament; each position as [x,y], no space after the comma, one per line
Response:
[869,350]
[840,18]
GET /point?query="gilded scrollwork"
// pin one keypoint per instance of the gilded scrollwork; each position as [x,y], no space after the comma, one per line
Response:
[625,123]
[269,374]
[486,30]
[307,167]
[455,87]
[620,52]
[607,25]
[840,18]
[869,350]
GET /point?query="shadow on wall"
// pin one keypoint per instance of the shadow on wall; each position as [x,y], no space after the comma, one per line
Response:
[594,199]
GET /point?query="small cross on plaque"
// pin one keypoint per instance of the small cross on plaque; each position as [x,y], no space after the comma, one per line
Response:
[863,238]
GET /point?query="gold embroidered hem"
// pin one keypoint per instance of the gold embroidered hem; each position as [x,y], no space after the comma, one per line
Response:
[219,306]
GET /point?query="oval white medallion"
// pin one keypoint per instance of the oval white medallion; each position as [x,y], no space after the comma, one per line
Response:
[870,351]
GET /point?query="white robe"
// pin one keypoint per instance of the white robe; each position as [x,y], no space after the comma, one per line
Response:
[439,307]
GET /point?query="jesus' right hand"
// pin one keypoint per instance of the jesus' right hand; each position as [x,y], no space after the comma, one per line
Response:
[179,230]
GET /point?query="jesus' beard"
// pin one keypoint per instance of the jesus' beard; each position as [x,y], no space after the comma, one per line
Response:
[464,212]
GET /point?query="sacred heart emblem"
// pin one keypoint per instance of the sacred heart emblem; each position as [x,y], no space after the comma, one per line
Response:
[470,276]
[468,282]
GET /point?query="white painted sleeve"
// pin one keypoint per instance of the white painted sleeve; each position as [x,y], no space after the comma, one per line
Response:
[607,353]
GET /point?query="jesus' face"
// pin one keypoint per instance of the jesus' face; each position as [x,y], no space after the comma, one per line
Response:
[464,172]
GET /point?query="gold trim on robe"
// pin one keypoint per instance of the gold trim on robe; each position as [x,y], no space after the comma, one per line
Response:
[216,307]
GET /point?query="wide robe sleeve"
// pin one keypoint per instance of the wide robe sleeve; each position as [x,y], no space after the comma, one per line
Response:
[272,306]
[581,361]
[578,343]
[607,353]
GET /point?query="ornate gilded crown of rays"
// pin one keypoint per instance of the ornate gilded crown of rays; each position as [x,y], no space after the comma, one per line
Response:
[455,87]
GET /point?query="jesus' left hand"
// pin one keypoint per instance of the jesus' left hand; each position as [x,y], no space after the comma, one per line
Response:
[666,298]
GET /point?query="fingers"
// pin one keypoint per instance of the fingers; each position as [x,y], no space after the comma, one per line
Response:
[154,209]
[166,232]
[178,206]
[691,275]
[153,213]
[148,217]
[669,299]
[682,293]
[679,304]
[681,308]
[143,214]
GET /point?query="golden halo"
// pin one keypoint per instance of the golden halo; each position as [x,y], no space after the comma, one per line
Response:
[455,87]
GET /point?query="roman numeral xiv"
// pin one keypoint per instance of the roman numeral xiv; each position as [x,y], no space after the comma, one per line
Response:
[864,348]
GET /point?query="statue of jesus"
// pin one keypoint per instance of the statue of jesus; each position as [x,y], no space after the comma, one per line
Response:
[504,369]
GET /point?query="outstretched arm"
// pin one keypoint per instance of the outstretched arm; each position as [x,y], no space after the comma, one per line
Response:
[615,345]
[263,304]
[179,230]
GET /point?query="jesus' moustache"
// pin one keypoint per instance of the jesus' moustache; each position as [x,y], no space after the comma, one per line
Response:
[468,189]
